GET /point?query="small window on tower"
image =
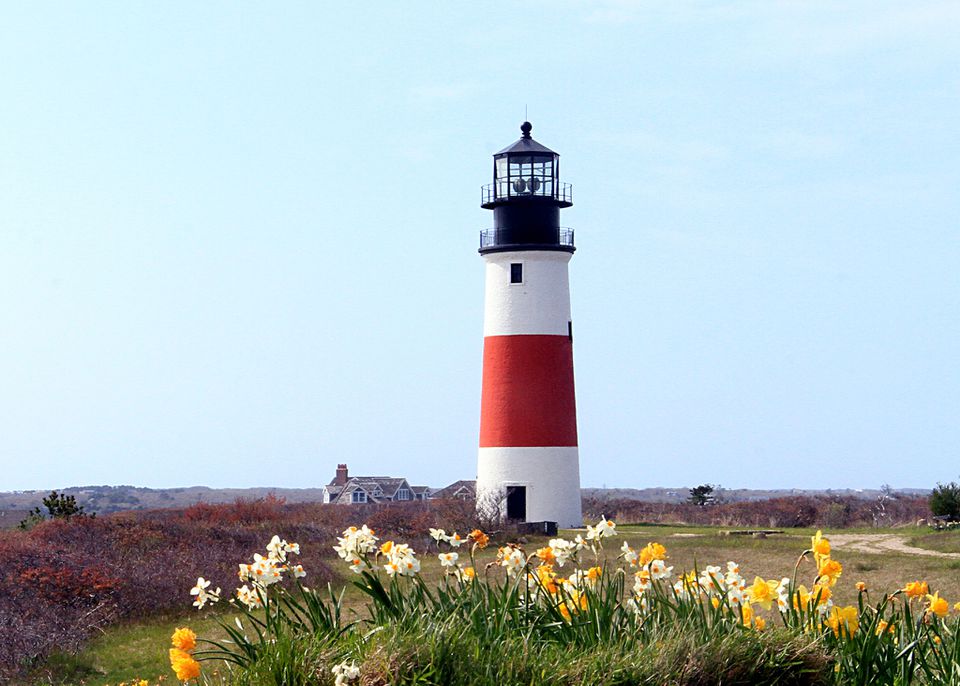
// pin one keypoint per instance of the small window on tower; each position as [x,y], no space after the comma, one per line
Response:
[516,272]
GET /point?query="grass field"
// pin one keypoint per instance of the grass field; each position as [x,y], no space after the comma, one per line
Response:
[139,650]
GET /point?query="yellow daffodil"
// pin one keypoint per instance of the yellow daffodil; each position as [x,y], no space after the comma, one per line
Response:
[593,574]
[844,620]
[819,545]
[938,606]
[652,551]
[763,593]
[746,613]
[829,570]
[861,587]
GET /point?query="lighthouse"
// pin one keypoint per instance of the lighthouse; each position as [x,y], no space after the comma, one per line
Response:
[528,467]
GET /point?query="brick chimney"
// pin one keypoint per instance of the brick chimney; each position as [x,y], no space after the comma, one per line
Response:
[341,478]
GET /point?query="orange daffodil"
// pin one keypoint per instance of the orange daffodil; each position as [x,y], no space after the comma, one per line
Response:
[916,589]
[181,661]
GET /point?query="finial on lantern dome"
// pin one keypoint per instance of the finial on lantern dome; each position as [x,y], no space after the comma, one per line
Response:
[526,127]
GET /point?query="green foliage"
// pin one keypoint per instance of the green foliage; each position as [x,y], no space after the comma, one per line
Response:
[58,506]
[701,495]
[945,501]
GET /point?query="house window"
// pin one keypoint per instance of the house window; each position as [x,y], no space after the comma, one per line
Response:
[516,272]
[358,497]
[403,494]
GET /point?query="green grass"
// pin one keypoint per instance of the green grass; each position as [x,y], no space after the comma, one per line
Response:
[444,654]
[942,541]
[123,653]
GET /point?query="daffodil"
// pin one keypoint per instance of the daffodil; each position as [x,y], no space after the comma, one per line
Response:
[763,593]
[844,621]
[653,551]
[480,539]
[820,546]
[344,673]
[829,570]
[448,559]
[183,664]
[916,589]
[184,639]
[546,555]
[938,606]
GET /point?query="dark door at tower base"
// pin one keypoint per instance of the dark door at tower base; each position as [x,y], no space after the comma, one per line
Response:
[517,503]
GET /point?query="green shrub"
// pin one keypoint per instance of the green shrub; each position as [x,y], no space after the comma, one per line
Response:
[945,501]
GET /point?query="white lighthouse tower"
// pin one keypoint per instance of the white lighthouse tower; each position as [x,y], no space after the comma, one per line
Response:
[528,467]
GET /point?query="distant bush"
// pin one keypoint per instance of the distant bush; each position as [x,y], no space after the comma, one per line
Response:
[944,501]
[57,506]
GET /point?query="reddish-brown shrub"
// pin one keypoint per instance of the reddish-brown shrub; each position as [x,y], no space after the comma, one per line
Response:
[794,511]
[64,579]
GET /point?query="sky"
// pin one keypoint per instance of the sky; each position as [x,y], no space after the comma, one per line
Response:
[238,241]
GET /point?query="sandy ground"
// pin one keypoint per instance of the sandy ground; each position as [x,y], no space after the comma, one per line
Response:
[877,544]
[883,543]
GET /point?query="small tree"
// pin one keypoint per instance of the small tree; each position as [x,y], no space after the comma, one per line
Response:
[701,495]
[945,501]
[58,505]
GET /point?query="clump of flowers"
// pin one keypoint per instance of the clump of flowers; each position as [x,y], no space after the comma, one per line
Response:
[550,591]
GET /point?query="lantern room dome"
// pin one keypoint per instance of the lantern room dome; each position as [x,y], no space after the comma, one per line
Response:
[526,144]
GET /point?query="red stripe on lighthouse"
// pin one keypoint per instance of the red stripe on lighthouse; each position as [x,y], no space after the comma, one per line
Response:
[528,396]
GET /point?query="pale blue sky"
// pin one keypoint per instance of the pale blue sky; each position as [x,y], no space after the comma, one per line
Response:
[238,241]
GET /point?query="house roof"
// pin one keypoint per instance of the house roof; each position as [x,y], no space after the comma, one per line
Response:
[377,488]
[457,487]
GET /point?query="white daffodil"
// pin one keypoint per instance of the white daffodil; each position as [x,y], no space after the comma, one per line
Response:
[563,550]
[277,549]
[513,559]
[438,535]
[249,597]
[659,570]
[345,673]
[448,559]
[203,595]
[606,528]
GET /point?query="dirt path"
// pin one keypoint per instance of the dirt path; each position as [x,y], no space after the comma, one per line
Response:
[883,543]
[878,544]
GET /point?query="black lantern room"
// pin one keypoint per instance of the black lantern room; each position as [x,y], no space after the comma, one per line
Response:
[526,196]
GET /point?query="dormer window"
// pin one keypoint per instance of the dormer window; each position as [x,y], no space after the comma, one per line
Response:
[358,497]
[403,494]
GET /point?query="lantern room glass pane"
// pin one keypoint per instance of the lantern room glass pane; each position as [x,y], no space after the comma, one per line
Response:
[503,182]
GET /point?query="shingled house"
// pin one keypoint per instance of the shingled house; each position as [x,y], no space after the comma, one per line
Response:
[346,489]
